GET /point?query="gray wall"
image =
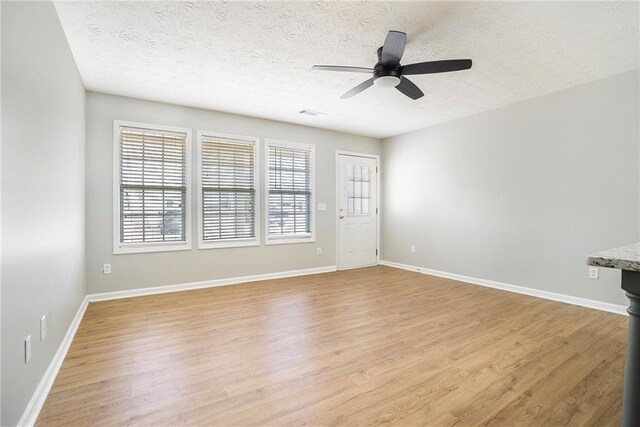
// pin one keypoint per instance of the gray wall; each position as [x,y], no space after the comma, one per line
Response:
[133,271]
[522,193]
[43,194]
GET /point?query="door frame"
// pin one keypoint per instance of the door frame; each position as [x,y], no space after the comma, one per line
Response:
[337,202]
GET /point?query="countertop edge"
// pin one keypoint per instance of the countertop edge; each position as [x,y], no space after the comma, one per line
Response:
[622,258]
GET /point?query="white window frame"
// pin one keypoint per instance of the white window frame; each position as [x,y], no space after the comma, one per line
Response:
[132,248]
[229,243]
[288,239]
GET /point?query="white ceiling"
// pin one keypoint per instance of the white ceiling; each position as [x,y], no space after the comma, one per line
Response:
[254,58]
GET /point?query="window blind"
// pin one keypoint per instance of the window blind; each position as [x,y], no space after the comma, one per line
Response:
[228,189]
[153,185]
[289,191]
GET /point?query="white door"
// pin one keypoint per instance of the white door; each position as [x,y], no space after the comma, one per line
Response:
[357,211]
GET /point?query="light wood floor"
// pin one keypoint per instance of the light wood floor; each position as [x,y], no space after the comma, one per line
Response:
[370,346]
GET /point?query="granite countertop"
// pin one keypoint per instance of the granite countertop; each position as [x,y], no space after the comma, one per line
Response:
[623,258]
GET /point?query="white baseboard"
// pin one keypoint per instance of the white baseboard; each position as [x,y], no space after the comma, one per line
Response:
[34,406]
[207,284]
[568,299]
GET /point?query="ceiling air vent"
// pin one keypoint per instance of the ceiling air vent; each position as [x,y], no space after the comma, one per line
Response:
[312,112]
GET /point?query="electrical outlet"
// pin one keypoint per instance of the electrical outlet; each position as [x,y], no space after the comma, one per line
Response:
[27,349]
[593,272]
[413,249]
[106,269]
[319,250]
[43,328]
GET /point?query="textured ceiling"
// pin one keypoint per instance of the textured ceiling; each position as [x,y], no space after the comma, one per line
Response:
[254,58]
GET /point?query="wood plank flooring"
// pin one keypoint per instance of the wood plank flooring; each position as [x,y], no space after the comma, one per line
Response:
[360,347]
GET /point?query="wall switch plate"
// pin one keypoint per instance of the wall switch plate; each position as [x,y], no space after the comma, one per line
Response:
[413,249]
[43,328]
[319,250]
[593,272]
[106,269]
[27,349]
[322,206]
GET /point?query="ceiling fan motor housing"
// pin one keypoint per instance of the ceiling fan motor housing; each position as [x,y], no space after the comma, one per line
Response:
[385,77]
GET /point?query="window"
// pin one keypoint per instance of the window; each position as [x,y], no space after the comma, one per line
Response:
[290,201]
[228,197]
[151,188]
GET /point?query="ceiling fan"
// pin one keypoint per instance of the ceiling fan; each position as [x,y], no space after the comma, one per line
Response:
[389,73]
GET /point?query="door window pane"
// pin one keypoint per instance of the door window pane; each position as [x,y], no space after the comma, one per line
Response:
[358,189]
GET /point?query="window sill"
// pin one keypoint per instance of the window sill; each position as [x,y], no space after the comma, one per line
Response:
[290,240]
[228,244]
[139,249]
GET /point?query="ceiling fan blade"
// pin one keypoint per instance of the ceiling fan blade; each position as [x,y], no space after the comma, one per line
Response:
[409,88]
[356,90]
[393,48]
[342,68]
[436,66]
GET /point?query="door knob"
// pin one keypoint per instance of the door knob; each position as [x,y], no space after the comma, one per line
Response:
[341,213]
